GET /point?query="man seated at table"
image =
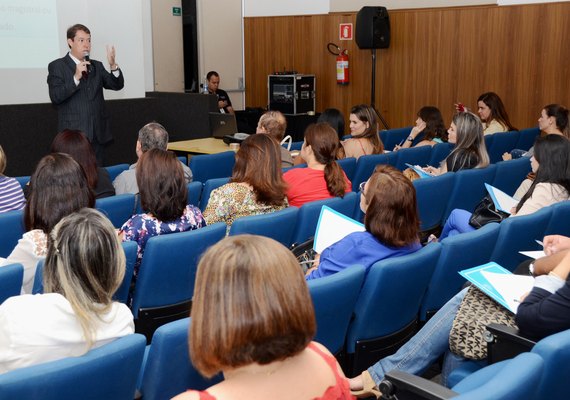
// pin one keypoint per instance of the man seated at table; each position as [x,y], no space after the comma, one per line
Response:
[151,136]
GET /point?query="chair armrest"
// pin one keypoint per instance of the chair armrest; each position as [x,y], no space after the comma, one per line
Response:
[401,385]
[505,342]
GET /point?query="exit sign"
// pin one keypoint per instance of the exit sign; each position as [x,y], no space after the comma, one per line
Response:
[177,11]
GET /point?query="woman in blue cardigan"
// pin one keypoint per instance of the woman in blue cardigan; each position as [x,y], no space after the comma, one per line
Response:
[388,200]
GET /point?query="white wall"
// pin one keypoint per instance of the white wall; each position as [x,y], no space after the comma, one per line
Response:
[257,8]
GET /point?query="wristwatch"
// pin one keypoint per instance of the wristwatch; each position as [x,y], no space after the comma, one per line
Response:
[117,67]
[410,138]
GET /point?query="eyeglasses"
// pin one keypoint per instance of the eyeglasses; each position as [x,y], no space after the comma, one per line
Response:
[361,187]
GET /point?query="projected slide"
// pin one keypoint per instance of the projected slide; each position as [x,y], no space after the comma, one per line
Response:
[28,33]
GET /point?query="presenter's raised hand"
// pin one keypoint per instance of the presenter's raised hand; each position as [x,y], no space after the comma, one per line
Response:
[111,57]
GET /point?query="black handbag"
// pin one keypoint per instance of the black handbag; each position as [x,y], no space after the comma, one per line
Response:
[485,213]
[304,253]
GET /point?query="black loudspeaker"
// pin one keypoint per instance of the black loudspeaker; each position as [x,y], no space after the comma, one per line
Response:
[373,28]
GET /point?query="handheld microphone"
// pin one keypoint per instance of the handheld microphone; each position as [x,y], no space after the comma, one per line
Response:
[87,59]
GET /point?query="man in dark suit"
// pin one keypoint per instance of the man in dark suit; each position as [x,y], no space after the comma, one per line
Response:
[76,88]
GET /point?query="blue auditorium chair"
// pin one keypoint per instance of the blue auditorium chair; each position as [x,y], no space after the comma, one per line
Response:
[386,312]
[22,180]
[432,195]
[165,283]
[117,208]
[558,224]
[366,164]
[392,137]
[194,192]
[108,372]
[211,166]
[458,252]
[11,230]
[510,174]
[333,312]
[469,188]
[278,225]
[516,379]
[209,186]
[439,152]
[527,137]
[115,170]
[415,156]
[167,370]
[502,143]
[349,166]
[11,278]
[520,234]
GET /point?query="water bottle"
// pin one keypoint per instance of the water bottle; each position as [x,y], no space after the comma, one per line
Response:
[205,86]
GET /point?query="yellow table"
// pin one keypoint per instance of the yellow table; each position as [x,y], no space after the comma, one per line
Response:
[199,146]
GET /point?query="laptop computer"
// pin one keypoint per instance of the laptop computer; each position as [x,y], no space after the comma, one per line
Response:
[222,124]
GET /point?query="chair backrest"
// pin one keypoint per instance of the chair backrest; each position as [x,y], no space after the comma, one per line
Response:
[414,156]
[117,208]
[515,379]
[527,137]
[11,230]
[168,269]
[332,310]
[11,278]
[458,252]
[23,180]
[558,224]
[194,193]
[469,188]
[392,137]
[439,152]
[520,234]
[432,195]
[115,170]
[390,299]
[278,225]
[555,351]
[211,166]
[510,174]
[309,213]
[108,372]
[168,370]
[209,186]
[349,166]
[489,139]
[183,159]
[502,143]
[296,145]
[366,164]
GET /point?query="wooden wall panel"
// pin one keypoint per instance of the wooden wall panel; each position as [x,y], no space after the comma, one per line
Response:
[437,57]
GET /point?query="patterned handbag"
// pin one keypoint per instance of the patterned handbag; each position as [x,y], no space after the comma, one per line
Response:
[476,311]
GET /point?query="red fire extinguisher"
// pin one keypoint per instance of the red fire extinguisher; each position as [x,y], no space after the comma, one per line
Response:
[341,63]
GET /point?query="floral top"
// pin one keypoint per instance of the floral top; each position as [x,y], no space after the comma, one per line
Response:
[234,200]
[141,227]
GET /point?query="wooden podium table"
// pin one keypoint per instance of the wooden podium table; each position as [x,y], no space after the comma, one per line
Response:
[199,146]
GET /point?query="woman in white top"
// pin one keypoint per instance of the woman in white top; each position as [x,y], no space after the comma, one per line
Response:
[85,265]
[364,130]
[492,112]
[58,187]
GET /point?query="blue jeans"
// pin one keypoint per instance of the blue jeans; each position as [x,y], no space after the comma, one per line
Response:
[457,222]
[425,347]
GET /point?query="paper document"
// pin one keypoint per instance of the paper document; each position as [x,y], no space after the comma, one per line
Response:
[332,227]
[534,254]
[499,284]
[502,201]
[419,170]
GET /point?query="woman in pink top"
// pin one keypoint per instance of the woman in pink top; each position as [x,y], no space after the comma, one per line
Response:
[323,178]
[253,319]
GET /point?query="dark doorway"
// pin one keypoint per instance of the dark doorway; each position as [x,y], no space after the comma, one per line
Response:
[190,43]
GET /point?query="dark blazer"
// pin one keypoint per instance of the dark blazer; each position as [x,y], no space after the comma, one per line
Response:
[83,106]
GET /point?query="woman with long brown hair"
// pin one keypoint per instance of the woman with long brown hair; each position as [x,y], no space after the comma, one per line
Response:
[323,177]
[256,185]
[388,200]
[364,131]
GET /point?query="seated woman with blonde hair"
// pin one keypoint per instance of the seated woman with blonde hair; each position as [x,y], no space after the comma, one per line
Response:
[388,200]
[274,124]
[85,265]
[323,177]
[364,131]
[256,186]
[253,320]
